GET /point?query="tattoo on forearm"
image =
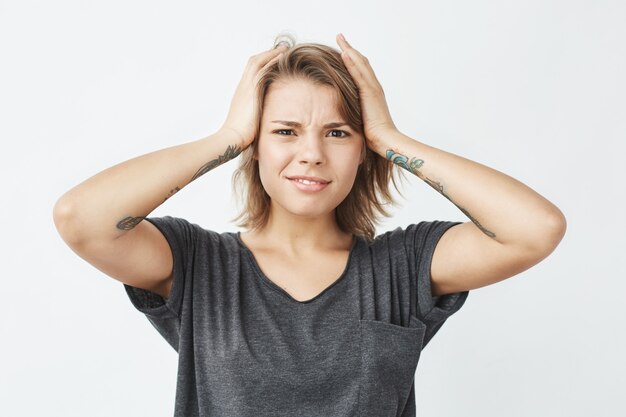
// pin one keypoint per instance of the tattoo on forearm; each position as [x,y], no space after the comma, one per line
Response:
[476,222]
[231,152]
[414,166]
[172,192]
[129,222]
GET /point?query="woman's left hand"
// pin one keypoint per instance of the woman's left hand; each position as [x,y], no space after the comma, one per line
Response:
[377,123]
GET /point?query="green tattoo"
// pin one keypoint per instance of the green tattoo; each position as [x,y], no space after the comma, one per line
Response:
[413,166]
[403,161]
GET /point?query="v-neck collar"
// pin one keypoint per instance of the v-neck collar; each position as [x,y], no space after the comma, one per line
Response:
[276,287]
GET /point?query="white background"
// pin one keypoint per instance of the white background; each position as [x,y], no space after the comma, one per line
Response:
[534,89]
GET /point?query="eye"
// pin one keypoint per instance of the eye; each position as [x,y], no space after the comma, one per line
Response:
[345,134]
[281,130]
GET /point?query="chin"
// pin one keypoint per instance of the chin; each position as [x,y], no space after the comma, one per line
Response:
[305,209]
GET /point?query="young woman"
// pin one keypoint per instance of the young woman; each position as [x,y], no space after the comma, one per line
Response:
[308,312]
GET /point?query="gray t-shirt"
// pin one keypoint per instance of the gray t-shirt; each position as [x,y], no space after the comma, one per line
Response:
[247,348]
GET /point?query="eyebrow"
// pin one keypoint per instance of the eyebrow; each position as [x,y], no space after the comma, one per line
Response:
[296,124]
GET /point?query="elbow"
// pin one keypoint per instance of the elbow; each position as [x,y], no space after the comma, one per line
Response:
[60,211]
[541,237]
[555,230]
[61,216]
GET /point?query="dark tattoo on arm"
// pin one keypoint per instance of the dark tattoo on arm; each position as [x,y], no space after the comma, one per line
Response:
[129,222]
[172,192]
[231,152]
[413,166]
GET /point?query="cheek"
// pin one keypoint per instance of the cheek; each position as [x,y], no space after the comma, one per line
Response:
[272,165]
[352,159]
[345,171]
[349,176]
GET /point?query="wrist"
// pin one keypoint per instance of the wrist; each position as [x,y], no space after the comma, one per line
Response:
[231,137]
[388,140]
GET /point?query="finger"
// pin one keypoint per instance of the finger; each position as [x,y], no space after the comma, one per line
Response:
[342,41]
[359,66]
[261,59]
[353,68]
[272,61]
[356,55]
[359,60]
[277,49]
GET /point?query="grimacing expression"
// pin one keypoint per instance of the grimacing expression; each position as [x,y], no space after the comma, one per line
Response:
[332,153]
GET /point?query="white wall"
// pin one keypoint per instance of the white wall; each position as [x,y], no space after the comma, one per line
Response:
[534,89]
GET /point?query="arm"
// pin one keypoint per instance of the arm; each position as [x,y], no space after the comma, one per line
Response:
[115,200]
[107,205]
[512,227]
[502,208]
[101,218]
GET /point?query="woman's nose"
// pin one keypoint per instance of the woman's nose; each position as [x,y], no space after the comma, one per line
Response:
[311,150]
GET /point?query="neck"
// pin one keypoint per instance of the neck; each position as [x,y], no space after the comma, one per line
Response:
[296,235]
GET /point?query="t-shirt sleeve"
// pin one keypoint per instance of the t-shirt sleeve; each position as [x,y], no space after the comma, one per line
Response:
[164,314]
[420,242]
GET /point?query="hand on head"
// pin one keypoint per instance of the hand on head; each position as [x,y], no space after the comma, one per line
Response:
[377,122]
[243,111]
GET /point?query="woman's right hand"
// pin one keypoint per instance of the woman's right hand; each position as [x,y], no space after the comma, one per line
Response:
[243,108]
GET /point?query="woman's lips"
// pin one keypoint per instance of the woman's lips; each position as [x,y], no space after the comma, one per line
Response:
[308,187]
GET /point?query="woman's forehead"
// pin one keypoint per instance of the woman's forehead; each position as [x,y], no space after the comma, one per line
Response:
[305,88]
[293,100]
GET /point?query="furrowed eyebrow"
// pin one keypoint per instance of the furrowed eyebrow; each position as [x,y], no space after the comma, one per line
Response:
[296,124]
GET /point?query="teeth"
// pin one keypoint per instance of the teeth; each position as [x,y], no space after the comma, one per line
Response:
[307,181]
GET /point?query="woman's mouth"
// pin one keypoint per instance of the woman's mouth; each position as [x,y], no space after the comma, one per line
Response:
[310,186]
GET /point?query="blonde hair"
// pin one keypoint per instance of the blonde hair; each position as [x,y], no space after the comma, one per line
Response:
[360,211]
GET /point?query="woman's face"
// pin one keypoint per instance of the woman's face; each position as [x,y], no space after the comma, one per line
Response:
[285,150]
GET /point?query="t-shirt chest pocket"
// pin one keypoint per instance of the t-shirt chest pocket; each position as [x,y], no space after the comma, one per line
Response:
[389,356]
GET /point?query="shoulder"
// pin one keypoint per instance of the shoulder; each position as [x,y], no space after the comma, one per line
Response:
[420,234]
[187,232]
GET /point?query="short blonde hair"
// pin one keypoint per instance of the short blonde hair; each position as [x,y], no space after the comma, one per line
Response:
[360,211]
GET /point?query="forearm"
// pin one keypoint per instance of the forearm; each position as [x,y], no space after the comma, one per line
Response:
[500,206]
[115,200]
